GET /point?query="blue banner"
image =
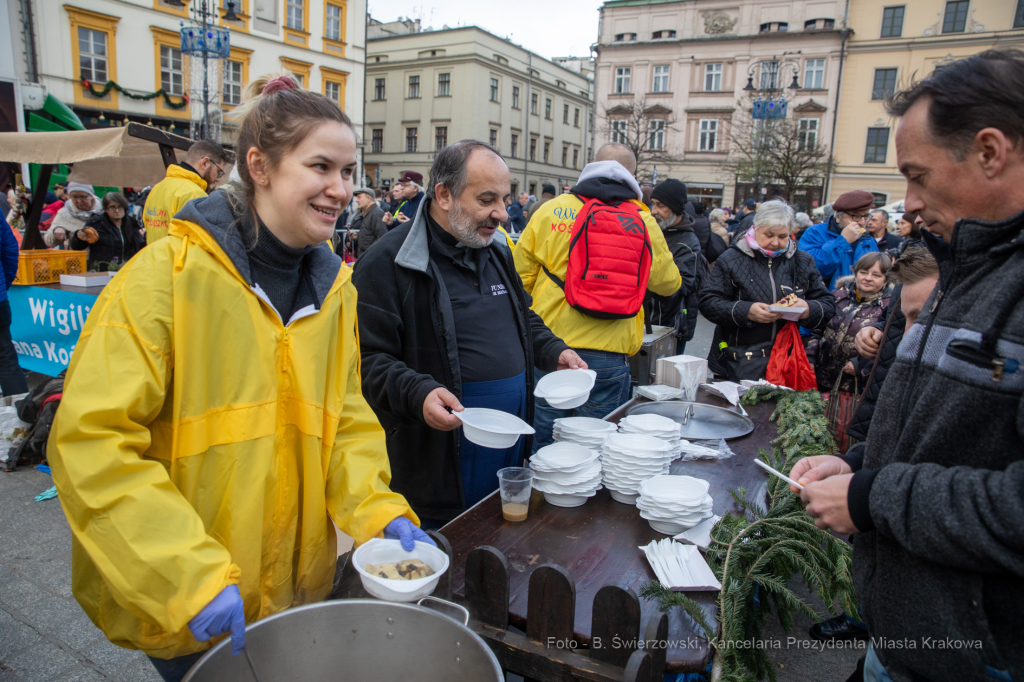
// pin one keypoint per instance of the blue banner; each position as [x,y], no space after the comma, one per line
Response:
[45,324]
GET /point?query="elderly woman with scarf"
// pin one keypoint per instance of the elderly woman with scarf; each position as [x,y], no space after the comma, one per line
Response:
[82,206]
[761,267]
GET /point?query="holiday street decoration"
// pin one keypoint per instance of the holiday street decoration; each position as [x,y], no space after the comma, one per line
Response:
[755,555]
[112,85]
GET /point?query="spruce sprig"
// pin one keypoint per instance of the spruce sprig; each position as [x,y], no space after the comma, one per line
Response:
[755,554]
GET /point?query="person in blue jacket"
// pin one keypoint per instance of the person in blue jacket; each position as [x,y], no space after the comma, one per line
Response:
[838,243]
[12,379]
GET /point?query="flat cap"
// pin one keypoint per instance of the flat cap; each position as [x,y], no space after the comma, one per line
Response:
[854,201]
[365,190]
[411,176]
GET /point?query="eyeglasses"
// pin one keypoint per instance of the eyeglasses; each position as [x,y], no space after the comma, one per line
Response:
[115,207]
[862,217]
[220,171]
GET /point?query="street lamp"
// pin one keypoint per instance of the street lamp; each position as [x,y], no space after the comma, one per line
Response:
[209,46]
[773,102]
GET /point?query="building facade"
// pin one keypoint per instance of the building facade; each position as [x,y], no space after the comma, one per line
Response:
[891,44]
[426,89]
[136,44]
[690,66]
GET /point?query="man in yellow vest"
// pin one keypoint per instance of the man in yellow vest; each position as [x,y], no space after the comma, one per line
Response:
[203,166]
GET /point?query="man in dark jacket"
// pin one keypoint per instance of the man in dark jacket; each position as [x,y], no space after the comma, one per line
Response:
[371,223]
[938,498]
[408,194]
[878,228]
[668,206]
[516,216]
[840,241]
[439,302]
[548,193]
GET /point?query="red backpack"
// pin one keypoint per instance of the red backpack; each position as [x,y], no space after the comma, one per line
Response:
[609,261]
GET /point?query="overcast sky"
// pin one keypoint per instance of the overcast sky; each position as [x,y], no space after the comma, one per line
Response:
[551,29]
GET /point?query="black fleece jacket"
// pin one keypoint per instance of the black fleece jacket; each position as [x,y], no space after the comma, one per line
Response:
[409,348]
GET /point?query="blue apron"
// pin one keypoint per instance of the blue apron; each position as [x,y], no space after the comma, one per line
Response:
[480,465]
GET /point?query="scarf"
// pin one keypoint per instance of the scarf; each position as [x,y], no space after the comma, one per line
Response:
[752,243]
[83,215]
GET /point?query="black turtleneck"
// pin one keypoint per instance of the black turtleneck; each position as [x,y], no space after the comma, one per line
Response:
[279,271]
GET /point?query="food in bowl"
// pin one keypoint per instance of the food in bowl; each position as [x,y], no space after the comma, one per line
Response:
[409,569]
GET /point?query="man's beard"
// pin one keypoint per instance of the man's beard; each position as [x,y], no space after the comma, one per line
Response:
[467,230]
[667,222]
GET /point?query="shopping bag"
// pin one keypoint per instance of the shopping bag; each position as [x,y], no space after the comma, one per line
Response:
[788,365]
[840,408]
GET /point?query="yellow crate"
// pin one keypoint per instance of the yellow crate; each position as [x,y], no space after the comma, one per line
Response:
[43,266]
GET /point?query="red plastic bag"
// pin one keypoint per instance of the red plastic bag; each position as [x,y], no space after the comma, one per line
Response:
[788,365]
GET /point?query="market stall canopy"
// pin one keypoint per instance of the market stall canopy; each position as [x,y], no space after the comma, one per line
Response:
[128,156]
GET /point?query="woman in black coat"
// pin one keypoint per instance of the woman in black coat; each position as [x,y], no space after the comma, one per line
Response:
[762,267]
[112,236]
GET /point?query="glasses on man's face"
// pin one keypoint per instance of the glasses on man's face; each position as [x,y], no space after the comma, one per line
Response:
[859,217]
[220,171]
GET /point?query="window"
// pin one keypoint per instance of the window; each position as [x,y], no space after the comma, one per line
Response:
[892,22]
[955,20]
[807,133]
[444,85]
[814,74]
[713,77]
[565,156]
[885,84]
[576,113]
[233,83]
[547,151]
[812,24]
[877,146]
[547,108]
[622,76]
[661,35]
[625,37]
[92,55]
[533,104]
[441,138]
[414,87]
[333,91]
[514,147]
[708,135]
[1018,15]
[493,138]
[769,75]
[565,114]
[378,89]
[660,83]
[774,26]
[494,89]
[533,149]
[575,158]
[619,131]
[515,96]
[332,28]
[295,12]
[172,77]
[656,135]
[377,141]
[410,139]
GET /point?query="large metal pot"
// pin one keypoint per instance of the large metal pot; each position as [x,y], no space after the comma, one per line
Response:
[353,640]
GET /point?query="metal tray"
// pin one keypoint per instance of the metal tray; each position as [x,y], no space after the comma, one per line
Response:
[707,421]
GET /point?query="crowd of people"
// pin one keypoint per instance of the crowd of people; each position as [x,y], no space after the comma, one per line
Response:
[316,404]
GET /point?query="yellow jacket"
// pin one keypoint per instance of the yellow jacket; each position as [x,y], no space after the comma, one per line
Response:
[201,443]
[545,241]
[167,198]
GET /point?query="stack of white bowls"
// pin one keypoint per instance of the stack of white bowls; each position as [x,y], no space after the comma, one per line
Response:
[585,431]
[672,504]
[566,473]
[656,426]
[629,459]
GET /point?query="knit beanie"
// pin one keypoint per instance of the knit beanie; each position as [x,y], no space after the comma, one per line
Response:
[672,193]
[80,187]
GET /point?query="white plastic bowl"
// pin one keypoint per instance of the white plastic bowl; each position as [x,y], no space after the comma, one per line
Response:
[668,527]
[636,443]
[563,457]
[649,422]
[623,497]
[492,428]
[574,500]
[378,551]
[585,425]
[566,389]
[676,489]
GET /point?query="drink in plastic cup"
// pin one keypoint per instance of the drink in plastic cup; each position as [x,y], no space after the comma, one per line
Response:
[514,486]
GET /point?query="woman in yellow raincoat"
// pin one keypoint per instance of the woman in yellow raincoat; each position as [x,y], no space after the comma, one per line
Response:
[212,423]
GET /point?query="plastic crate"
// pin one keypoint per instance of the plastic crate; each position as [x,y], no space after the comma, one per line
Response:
[43,266]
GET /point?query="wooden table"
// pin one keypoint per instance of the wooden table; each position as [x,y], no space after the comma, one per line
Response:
[598,542]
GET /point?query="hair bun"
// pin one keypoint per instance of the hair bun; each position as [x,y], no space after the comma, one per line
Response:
[278,84]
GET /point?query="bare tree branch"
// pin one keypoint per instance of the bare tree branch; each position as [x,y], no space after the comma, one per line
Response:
[638,135]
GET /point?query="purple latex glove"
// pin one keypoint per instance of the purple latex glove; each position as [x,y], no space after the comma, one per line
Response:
[226,612]
[405,530]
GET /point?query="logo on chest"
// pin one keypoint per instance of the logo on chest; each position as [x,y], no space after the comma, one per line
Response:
[498,289]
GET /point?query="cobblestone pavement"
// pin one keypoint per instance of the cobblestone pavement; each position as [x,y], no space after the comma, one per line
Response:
[44,634]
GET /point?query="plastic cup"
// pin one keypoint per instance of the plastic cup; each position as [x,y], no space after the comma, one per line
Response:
[514,486]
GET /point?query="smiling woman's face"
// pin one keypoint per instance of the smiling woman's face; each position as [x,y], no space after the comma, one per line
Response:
[301,198]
